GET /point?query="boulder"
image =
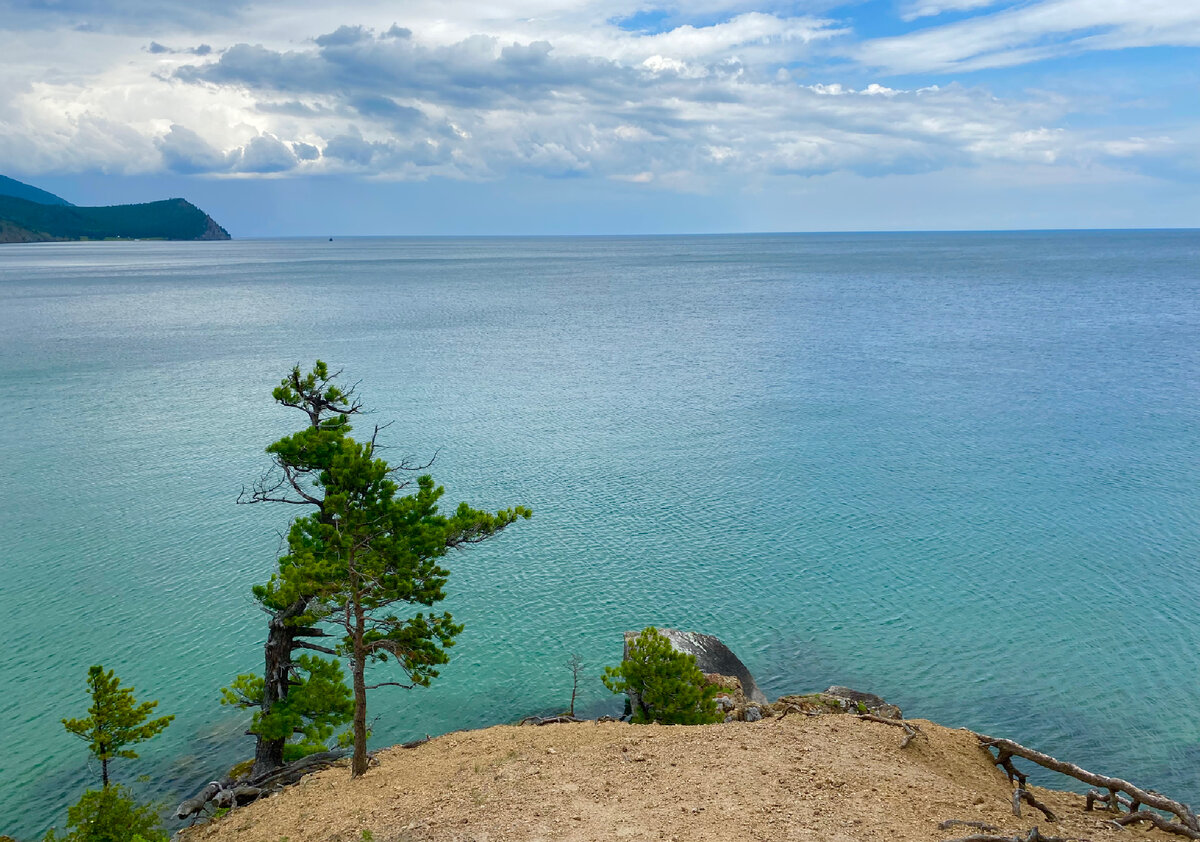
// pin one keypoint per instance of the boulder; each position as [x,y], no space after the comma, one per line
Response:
[712,656]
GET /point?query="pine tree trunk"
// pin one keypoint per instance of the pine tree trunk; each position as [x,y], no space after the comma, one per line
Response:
[359,764]
[281,637]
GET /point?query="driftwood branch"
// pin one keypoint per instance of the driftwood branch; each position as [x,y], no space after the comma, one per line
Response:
[1034,835]
[910,731]
[1007,749]
[1025,795]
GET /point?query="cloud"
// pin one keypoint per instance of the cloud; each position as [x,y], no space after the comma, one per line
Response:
[352,149]
[184,151]
[928,8]
[155,48]
[1035,32]
[305,151]
[560,90]
[266,154]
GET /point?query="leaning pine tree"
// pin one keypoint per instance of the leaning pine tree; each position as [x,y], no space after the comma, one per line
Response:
[367,553]
[298,702]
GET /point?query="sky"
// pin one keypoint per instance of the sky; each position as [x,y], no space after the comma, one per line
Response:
[304,118]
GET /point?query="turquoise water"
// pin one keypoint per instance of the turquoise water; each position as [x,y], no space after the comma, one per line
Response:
[958,470]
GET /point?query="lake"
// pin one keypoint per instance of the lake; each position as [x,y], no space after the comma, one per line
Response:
[961,471]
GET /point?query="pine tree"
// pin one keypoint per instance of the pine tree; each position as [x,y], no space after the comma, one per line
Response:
[115,720]
[362,556]
[111,814]
[665,685]
[317,704]
[299,464]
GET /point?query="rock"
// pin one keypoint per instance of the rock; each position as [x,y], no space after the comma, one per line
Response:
[753,713]
[855,702]
[712,656]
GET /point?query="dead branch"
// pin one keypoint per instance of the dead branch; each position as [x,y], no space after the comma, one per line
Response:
[1006,749]
[1158,821]
[796,709]
[415,743]
[1025,795]
[1112,801]
[910,731]
[549,720]
[949,823]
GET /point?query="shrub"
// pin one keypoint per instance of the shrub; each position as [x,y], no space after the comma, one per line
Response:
[662,684]
[110,815]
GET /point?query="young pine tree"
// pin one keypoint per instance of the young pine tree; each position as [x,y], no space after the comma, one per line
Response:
[666,686]
[111,814]
[115,720]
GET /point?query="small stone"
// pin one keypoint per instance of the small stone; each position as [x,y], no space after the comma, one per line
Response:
[753,714]
[551,751]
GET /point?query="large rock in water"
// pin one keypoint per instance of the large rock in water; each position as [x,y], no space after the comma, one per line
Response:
[712,656]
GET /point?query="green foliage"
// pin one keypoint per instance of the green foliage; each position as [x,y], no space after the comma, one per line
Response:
[115,719]
[317,704]
[667,685]
[110,814]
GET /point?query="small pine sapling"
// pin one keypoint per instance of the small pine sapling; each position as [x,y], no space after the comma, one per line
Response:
[115,720]
[664,685]
[575,665]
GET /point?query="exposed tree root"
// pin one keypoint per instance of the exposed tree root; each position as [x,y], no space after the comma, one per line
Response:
[1007,749]
[1025,795]
[229,793]
[910,731]
[1034,835]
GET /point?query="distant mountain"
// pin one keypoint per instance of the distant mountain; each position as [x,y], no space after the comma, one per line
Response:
[20,190]
[23,220]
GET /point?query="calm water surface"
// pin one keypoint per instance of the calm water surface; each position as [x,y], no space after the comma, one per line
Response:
[958,470]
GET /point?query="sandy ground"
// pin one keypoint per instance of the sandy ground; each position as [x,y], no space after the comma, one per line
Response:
[829,778]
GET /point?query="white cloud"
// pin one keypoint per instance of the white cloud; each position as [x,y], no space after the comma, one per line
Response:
[554,88]
[1034,32]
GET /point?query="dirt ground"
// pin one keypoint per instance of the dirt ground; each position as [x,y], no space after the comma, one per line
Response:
[823,778]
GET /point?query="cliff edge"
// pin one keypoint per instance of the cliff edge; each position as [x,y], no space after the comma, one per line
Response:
[825,778]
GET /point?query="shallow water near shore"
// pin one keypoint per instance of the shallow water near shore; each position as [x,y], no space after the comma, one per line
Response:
[961,471]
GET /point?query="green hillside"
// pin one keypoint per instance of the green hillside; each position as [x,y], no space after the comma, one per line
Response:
[20,190]
[24,221]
